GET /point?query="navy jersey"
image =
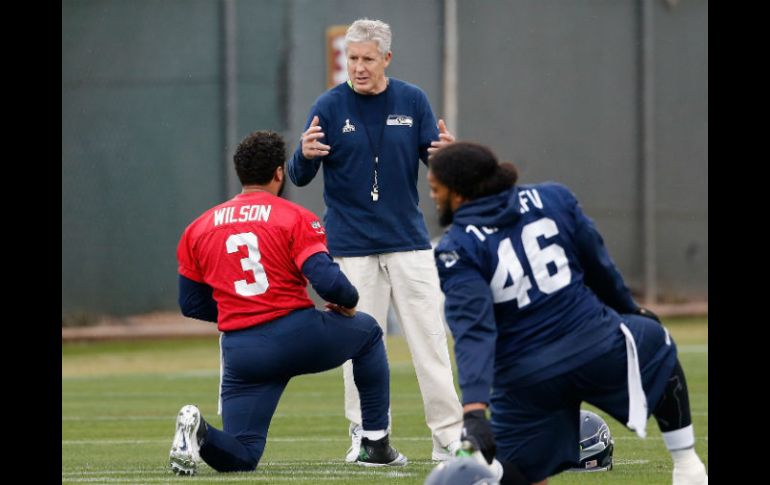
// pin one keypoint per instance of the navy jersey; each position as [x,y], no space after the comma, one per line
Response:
[530,290]
[398,127]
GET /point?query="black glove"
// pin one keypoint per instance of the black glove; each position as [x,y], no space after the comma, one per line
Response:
[647,313]
[476,429]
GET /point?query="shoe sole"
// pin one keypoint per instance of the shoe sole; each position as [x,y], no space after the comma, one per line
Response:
[182,466]
[399,461]
[441,457]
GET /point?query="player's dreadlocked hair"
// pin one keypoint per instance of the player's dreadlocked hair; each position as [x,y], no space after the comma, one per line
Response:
[257,157]
[472,170]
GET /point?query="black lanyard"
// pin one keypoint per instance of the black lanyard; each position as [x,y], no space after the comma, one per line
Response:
[375,193]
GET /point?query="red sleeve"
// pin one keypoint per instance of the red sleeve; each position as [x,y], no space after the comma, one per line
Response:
[309,238]
[187,262]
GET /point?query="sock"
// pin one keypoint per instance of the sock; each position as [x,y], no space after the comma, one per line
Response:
[374,435]
[679,439]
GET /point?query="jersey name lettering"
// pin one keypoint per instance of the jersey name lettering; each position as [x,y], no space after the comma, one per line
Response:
[247,213]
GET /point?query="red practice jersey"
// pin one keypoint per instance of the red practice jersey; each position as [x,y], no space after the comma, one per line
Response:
[250,250]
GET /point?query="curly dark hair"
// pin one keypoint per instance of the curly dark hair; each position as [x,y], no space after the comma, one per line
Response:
[472,170]
[257,157]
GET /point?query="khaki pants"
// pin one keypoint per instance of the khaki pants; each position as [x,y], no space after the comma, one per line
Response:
[410,280]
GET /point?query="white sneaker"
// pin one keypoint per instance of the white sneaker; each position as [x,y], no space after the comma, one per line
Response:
[356,432]
[694,474]
[445,453]
[185,450]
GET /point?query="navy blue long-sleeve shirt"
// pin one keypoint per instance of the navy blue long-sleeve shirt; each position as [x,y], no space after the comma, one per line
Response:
[531,291]
[398,127]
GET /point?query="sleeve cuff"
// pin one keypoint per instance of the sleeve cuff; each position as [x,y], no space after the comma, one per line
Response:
[309,251]
[476,393]
[303,159]
[190,274]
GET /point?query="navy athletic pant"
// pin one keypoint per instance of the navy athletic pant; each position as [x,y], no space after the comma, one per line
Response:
[537,427]
[260,360]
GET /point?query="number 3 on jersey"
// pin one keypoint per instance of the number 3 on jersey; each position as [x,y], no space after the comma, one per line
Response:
[260,285]
[538,258]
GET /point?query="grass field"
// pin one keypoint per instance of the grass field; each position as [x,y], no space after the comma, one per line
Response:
[120,399]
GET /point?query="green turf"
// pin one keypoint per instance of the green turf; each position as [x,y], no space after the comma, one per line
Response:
[119,403]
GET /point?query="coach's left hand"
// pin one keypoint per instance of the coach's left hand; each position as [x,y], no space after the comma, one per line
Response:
[444,138]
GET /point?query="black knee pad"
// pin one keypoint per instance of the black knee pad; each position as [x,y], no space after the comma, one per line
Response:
[673,410]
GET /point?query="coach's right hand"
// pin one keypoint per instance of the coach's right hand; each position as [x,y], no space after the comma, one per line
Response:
[311,144]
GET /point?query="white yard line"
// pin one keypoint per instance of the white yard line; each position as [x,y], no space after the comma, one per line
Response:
[304,439]
[630,462]
[272,473]
[172,417]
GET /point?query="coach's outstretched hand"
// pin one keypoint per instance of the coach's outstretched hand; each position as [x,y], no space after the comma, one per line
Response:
[311,141]
[444,138]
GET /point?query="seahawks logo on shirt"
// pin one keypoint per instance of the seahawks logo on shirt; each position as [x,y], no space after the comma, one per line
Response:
[449,258]
[399,120]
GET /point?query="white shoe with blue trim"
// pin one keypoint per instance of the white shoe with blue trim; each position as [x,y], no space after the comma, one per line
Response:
[185,449]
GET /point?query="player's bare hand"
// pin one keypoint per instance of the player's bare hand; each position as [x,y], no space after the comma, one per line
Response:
[348,312]
[311,141]
[444,138]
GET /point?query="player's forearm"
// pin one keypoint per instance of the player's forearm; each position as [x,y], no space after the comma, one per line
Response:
[302,170]
[475,375]
[329,281]
[196,300]
[471,319]
[469,312]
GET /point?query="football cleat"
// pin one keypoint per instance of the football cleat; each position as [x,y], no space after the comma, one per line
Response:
[379,453]
[188,438]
